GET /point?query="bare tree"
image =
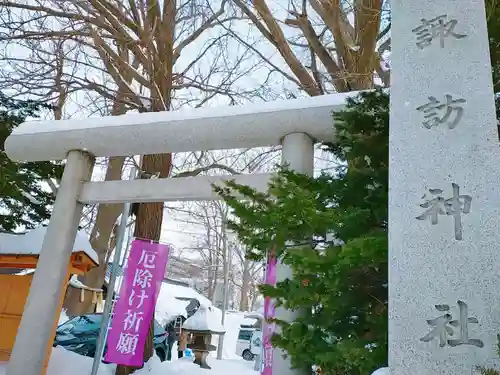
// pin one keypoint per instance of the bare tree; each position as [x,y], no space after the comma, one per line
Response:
[326,45]
[246,276]
[47,73]
[205,221]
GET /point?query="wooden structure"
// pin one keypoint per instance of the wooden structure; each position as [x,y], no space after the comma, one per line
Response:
[18,257]
[201,346]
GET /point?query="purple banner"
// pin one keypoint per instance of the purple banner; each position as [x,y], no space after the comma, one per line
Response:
[135,306]
[267,368]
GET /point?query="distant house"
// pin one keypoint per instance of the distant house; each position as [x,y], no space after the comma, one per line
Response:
[181,268]
[194,272]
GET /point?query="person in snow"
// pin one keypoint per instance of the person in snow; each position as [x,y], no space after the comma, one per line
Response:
[171,338]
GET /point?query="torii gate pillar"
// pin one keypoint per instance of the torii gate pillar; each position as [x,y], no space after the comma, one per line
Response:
[298,154]
[28,356]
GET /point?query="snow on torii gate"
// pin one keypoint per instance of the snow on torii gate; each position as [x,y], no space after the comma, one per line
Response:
[295,124]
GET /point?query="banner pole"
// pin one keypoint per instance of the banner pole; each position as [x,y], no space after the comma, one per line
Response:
[108,304]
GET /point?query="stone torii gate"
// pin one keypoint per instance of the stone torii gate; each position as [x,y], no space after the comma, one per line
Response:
[295,124]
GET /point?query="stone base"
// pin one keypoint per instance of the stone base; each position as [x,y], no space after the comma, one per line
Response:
[200,358]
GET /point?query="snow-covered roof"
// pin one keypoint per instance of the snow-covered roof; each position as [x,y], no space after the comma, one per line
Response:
[172,299]
[205,319]
[185,292]
[75,283]
[30,243]
[210,128]
[254,315]
[168,307]
[173,290]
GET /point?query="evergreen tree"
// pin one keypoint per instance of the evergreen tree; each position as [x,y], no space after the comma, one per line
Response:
[23,200]
[332,231]
[493,18]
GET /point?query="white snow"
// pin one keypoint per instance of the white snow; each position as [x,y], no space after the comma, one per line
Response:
[204,319]
[180,291]
[185,366]
[232,324]
[173,291]
[75,283]
[168,304]
[254,315]
[209,128]
[31,242]
[168,307]
[31,198]
[382,371]
[62,317]
[186,113]
[63,362]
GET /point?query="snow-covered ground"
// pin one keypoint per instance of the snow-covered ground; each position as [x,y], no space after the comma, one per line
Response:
[64,362]
[168,305]
[231,324]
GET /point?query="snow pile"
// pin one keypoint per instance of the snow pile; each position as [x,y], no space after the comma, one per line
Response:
[232,325]
[64,362]
[205,319]
[77,284]
[63,317]
[168,307]
[255,315]
[181,291]
[382,371]
[185,366]
[31,242]
[168,304]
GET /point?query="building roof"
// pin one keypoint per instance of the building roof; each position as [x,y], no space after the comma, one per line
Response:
[30,243]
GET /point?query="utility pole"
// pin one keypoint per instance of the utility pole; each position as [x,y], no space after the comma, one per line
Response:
[225,258]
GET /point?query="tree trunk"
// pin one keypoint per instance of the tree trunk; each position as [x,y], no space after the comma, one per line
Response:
[254,296]
[107,215]
[210,289]
[148,226]
[99,239]
[215,283]
[245,286]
